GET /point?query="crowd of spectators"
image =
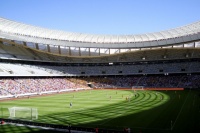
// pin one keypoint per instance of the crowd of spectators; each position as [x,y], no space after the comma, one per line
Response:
[154,81]
[15,86]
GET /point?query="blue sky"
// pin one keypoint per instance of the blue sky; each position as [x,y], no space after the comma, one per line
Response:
[103,16]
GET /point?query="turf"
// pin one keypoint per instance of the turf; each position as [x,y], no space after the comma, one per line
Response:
[145,111]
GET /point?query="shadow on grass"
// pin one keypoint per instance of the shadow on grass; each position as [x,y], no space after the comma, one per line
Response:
[118,115]
[147,112]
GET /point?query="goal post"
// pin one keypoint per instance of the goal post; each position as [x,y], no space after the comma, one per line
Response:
[23,113]
[137,87]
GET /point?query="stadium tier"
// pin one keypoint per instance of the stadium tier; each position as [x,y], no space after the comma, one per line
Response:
[31,51]
[27,50]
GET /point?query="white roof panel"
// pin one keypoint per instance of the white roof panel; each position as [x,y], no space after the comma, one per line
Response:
[12,27]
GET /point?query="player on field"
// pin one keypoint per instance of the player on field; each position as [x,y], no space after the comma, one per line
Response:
[70,105]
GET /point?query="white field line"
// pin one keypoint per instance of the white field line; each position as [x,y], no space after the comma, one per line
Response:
[180,111]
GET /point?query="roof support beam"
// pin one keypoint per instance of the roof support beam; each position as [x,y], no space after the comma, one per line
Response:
[48,48]
[59,50]
[79,51]
[70,52]
[36,46]
[99,50]
[24,43]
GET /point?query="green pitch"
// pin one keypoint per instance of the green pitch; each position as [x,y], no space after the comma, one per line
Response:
[142,111]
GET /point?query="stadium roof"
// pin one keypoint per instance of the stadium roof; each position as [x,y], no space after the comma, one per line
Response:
[28,33]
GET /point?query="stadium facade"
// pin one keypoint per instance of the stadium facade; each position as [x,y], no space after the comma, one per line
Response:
[60,53]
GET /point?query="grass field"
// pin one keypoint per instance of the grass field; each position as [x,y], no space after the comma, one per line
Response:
[145,111]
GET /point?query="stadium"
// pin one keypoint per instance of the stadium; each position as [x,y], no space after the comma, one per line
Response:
[57,81]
